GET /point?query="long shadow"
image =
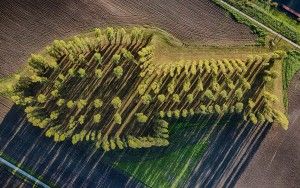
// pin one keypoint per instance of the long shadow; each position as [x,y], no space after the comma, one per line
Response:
[58,164]
[231,149]
[232,145]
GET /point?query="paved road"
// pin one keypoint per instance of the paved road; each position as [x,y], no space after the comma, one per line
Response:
[22,172]
[262,25]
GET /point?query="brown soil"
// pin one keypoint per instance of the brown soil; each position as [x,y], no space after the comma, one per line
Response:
[276,163]
[28,25]
[5,106]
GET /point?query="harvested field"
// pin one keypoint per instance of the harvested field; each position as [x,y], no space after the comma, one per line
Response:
[5,105]
[278,166]
[27,26]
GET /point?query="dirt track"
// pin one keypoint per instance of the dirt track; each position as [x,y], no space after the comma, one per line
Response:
[28,25]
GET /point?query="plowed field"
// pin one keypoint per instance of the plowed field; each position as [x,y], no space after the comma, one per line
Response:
[28,25]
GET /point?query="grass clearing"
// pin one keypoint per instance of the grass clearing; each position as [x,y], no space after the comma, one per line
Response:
[171,166]
[291,65]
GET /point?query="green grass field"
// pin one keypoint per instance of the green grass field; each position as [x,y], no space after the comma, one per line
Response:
[170,166]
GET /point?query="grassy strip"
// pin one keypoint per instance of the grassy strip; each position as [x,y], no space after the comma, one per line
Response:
[27,170]
[169,168]
[291,65]
[270,19]
[260,32]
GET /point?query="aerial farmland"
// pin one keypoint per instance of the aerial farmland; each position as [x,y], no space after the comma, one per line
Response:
[120,93]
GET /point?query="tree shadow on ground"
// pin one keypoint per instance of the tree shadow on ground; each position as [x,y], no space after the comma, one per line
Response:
[58,164]
[232,144]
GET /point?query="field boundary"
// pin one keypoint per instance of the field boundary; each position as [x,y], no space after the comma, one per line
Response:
[22,172]
[260,24]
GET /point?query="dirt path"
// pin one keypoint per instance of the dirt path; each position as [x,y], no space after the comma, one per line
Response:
[277,162]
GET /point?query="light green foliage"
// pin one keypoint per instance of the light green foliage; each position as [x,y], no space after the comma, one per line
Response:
[223,94]
[37,61]
[98,103]
[208,93]
[116,58]
[184,113]
[97,32]
[98,58]
[71,71]
[54,115]
[81,72]
[81,103]
[16,99]
[116,102]
[54,93]
[162,114]
[239,107]
[142,88]
[186,85]
[169,114]
[190,98]
[239,93]
[176,98]
[192,112]
[35,79]
[176,113]
[110,33]
[141,118]
[118,71]
[41,98]
[218,109]
[203,109]
[117,118]
[70,104]
[97,118]
[98,73]
[171,87]
[253,118]
[251,104]
[146,99]
[81,119]
[199,85]
[161,98]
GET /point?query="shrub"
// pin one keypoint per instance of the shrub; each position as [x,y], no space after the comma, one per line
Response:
[141,118]
[161,98]
[98,103]
[70,104]
[96,118]
[41,98]
[146,99]
[117,118]
[118,71]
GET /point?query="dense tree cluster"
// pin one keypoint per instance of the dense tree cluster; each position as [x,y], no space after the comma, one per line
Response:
[120,98]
